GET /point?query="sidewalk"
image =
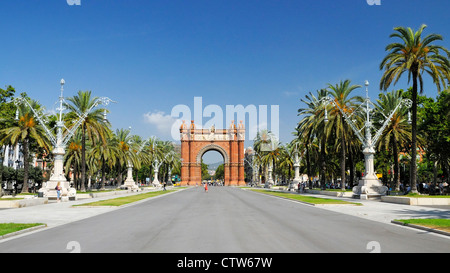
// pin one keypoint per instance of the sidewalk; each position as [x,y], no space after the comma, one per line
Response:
[55,214]
[384,212]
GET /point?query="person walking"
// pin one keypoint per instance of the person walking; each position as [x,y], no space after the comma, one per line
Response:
[206,187]
[58,192]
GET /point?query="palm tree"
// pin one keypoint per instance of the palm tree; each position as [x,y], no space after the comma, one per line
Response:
[264,145]
[415,55]
[341,94]
[398,131]
[286,162]
[72,157]
[25,131]
[107,153]
[126,152]
[93,125]
[311,127]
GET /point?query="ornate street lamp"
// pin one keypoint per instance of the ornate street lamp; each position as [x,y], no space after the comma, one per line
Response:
[59,142]
[369,185]
[129,182]
[297,178]
[156,165]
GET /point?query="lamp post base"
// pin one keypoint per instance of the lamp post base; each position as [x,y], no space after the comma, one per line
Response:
[293,186]
[131,185]
[67,192]
[369,188]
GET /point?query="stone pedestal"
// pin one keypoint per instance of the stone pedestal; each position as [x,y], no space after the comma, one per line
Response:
[370,187]
[293,186]
[129,182]
[67,193]
[48,188]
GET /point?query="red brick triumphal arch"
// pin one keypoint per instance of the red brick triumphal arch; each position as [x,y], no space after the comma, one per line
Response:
[228,142]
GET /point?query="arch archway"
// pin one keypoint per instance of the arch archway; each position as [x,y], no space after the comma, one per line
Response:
[228,142]
[211,159]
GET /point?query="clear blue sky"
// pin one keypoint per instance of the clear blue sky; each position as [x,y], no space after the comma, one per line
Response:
[150,55]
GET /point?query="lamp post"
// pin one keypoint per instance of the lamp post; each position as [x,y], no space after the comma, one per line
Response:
[369,185]
[255,167]
[129,182]
[16,183]
[297,179]
[59,142]
[156,165]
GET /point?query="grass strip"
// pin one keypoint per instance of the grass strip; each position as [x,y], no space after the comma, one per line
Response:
[6,228]
[125,200]
[440,224]
[308,199]
[425,195]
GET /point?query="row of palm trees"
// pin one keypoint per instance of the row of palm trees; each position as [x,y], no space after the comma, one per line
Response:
[330,148]
[94,149]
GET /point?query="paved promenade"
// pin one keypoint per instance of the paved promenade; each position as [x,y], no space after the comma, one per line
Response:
[54,214]
[223,220]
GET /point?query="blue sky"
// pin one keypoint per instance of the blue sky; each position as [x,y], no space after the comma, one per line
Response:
[151,55]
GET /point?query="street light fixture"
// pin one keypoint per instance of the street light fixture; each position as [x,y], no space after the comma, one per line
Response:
[59,142]
[369,185]
[129,182]
[297,178]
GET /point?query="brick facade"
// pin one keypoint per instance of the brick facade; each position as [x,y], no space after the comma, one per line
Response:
[228,142]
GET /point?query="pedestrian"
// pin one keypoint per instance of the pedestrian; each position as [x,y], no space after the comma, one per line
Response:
[206,187]
[58,192]
[164,186]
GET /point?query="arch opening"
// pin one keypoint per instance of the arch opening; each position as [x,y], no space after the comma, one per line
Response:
[213,167]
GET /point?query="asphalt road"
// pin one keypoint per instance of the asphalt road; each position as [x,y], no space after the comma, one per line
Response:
[225,220]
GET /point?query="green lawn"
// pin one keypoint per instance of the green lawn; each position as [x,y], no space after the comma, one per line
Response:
[307,199]
[126,199]
[426,195]
[441,224]
[6,228]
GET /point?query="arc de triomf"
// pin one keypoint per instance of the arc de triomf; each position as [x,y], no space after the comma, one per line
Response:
[228,142]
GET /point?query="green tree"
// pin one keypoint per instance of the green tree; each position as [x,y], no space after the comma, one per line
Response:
[415,55]
[93,126]
[398,131]
[341,95]
[24,131]
[435,129]
[106,153]
[125,152]
[220,172]
[311,130]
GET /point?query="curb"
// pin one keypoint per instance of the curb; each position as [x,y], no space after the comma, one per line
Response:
[421,228]
[22,231]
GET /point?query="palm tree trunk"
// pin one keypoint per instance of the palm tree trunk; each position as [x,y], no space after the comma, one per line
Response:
[396,166]
[343,147]
[25,166]
[103,174]
[83,159]
[322,163]
[413,177]
[308,167]
[351,162]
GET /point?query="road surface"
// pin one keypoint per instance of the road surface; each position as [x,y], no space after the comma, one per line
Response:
[225,220]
